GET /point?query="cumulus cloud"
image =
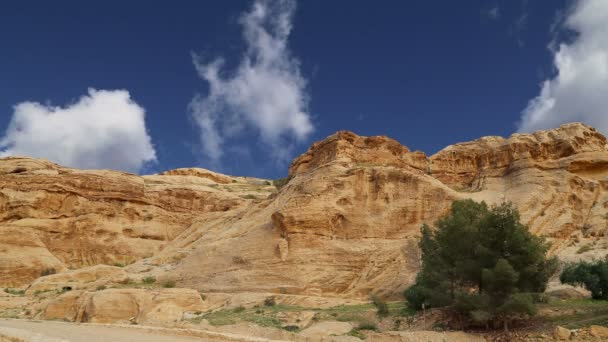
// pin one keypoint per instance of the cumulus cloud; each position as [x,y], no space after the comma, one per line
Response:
[578,91]
[266,94]
[104,129]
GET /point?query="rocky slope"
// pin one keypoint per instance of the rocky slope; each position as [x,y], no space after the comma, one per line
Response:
[53,218]
[346,224]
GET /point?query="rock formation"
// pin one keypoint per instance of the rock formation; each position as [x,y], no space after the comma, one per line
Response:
[53,218]
[345,225]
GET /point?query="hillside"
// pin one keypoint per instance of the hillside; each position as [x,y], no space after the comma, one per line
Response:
[345,225]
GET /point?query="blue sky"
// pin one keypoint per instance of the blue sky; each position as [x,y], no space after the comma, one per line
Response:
[427,73]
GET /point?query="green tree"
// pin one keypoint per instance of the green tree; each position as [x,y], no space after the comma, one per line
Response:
[592,275]
[483,263]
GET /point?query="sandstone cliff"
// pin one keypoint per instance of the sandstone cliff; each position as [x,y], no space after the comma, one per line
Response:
[347,221]
[345,224]
[53,218]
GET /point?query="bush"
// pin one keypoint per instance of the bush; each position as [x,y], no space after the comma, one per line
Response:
[149,280]
[592,275]
[270,301]
[380,305]
[239,309]
[483,263]
[169,284]
[16,292]
[292,328]
[583,249]
[367,326]
[281,182]
[47,271]
[101,287]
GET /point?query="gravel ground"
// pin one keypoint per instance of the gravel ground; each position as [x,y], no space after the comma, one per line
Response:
[48,331]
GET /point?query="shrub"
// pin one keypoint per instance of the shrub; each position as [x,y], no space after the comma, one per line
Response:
[592,275]
[101,287]
[47,271]
[238,309]
[16,292]
[292,328]
[149,280]
[270,301]
[169,284]
[583,249]
[367,326]
[281,182]
[380,306]
[483,263]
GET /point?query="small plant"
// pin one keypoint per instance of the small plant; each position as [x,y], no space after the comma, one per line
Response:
[249,196]
[101,287]
[47,271]
[583,249]
[380,305]
[169,284]
[119,264]
[239,260]
[281,182]
[292,328]
[149,280]
[356,333]
[270,301]
[367,326]
[15,292]
[239,309]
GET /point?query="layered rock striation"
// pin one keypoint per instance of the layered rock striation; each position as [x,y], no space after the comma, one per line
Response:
[346,224]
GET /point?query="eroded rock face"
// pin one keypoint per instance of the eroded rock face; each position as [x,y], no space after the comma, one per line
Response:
[53,218]
[348,221]
[346,224]
[141,306]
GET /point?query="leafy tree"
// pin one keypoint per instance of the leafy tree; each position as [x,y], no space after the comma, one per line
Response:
[592,275]
[483,263]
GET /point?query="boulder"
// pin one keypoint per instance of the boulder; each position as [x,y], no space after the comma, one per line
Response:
[561,333]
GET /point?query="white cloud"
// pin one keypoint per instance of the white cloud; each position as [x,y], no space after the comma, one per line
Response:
[494,13]
[579,91]
[104,129]
[266,93]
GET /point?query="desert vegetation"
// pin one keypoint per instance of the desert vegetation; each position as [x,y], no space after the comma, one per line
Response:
[591,275]
[482,265]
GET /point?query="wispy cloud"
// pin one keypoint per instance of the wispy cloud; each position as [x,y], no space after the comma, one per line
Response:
[266,93]
[103,129]
[492,13]
[578,91]
[519,25]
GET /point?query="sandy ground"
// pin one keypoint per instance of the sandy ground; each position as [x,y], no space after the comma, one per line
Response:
[47,331]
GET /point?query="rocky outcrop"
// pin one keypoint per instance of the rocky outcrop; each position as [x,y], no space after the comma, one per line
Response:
[344,225]
[141,306]
[573,147]
[84,278]
[347,222]
[53,218]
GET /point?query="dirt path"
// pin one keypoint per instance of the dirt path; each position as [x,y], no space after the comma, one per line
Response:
[47,331]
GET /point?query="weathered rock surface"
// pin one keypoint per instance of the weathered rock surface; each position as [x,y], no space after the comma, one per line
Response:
[345,224]
[141,306]
[52,217]
[84,278]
